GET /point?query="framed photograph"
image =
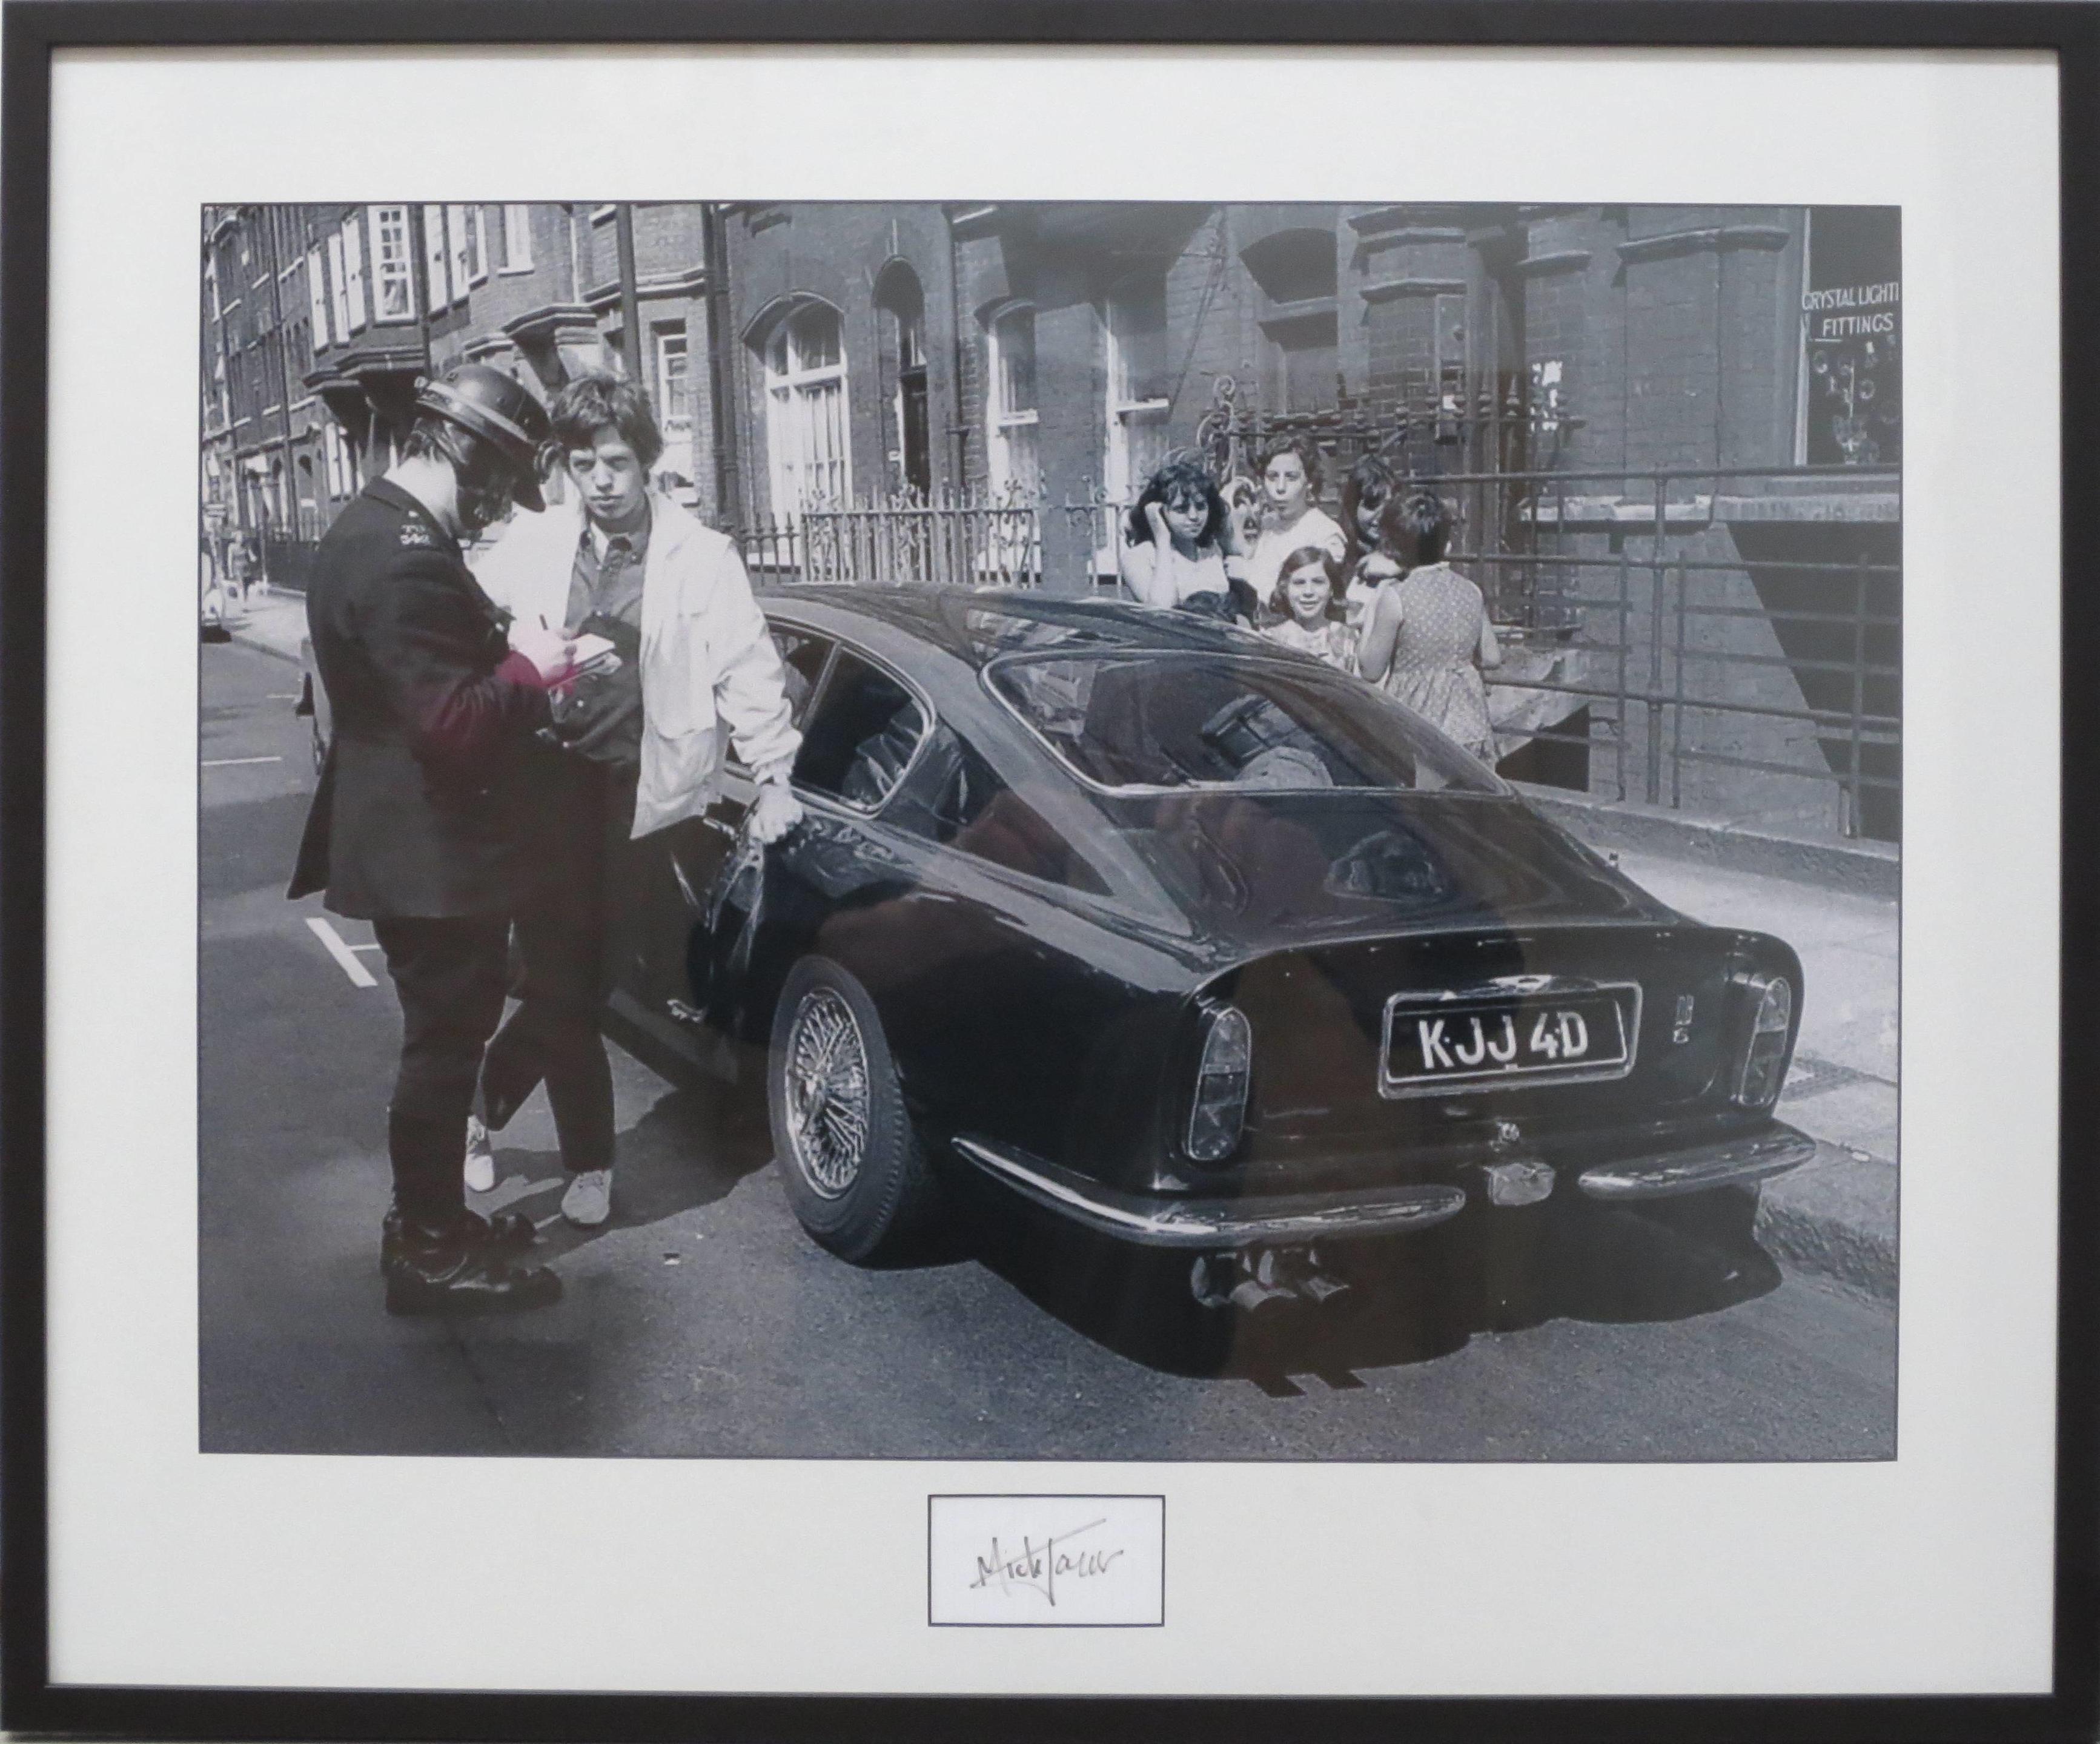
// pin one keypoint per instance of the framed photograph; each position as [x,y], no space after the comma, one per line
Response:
[1132,876]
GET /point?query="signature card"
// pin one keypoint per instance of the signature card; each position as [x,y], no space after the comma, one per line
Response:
[1047,1562]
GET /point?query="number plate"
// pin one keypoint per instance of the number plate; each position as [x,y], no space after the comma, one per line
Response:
[1556,1033]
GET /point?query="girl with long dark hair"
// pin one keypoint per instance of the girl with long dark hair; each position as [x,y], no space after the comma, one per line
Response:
[1176,538]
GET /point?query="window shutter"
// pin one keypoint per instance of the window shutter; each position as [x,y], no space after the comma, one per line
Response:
[353,255]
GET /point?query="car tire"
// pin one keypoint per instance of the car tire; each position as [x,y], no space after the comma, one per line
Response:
[856,1176]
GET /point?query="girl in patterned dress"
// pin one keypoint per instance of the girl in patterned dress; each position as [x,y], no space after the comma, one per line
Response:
[1428,636]
[1306,594]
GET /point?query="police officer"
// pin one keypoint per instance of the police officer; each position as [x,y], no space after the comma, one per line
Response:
[413,825]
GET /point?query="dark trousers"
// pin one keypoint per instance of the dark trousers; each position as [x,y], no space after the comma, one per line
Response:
[448,975]
[563,946]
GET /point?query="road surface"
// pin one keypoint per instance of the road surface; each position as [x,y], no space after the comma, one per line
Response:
[701,1321]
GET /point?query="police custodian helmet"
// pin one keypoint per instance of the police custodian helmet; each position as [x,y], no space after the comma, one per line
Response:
[501,411]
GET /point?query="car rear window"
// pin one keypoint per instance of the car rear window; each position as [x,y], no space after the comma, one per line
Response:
[1152,720]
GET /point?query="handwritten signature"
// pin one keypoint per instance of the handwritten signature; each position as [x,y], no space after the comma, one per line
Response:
[1038,1566]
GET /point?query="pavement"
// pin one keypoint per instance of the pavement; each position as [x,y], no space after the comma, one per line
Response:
[701,1321]
[275,622]
[1836,1215]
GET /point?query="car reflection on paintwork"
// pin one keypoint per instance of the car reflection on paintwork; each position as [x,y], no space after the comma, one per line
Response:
[1188,942]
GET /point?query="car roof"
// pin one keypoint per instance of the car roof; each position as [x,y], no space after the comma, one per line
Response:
[976,626]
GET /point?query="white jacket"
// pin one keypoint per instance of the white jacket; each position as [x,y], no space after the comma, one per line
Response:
[706,656]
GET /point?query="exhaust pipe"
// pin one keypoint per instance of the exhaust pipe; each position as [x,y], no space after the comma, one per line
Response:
[1253,1279]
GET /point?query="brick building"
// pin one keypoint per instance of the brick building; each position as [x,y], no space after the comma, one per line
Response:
[262,468]
[532,289]
[333,311]
[1626,403]
[947,347]
[1669,432]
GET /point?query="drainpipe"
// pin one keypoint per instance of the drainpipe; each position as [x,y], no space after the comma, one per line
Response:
[232,434]
[960,429]
[714,259]
[284,375]
[419,288]
[630,301]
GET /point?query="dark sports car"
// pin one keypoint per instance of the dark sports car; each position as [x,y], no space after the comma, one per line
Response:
[1193,942]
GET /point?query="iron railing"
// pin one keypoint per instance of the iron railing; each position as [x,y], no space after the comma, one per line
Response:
[1615,575]
[971,542]
[287,563]
[1420,427]
[1616,570]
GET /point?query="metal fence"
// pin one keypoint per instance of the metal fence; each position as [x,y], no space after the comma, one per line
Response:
[287,563]
[1421,427]
[969,542]
[1653,582]
[1697,620]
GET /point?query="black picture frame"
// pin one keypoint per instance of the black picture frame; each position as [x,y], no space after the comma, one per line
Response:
[35,30]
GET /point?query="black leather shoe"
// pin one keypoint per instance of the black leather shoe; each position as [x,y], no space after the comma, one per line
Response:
[508,1232]
[474,1280]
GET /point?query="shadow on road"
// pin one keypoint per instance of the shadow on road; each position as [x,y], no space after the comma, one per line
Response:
[1410,1299]
[690,1149]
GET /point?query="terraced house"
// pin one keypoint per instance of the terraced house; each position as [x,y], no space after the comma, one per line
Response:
[1673,435]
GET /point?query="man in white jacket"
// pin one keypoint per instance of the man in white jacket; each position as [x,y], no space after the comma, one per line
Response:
[633,750]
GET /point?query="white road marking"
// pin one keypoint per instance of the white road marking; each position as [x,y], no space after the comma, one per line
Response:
[359,975]
[280,696]
[373,946]
[229,763]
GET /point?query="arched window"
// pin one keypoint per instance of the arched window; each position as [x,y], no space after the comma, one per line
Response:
[1010,407]
[805,413]
[900,297]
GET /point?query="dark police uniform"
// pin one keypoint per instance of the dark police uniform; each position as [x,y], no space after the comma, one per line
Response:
[413,825]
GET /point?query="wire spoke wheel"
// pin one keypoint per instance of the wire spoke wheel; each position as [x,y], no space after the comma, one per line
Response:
[827,1094]
[848,1158]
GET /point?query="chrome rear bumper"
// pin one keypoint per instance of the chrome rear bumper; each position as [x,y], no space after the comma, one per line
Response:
[1772,1152]
[1161,1221]
[1156,1221]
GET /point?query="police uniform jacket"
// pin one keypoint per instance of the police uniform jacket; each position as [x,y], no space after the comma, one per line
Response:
[414,814]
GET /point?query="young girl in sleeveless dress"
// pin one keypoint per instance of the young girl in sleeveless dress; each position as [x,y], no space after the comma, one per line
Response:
[1428,638]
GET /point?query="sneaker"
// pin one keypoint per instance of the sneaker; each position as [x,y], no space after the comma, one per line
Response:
[588,1200]
[480,1159]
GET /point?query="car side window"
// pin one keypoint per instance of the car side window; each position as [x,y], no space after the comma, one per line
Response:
[861,735]
[975,812]
[803,653]
[802,656]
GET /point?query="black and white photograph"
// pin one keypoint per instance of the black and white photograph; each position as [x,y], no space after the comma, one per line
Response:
[1061,829]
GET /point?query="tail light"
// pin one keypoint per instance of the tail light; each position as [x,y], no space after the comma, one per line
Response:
[1764,1058]
[1219,1113]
